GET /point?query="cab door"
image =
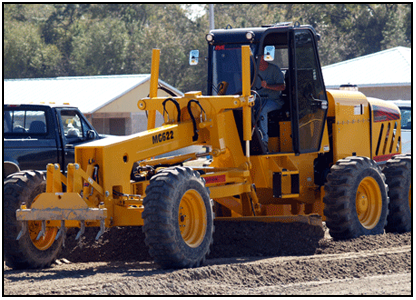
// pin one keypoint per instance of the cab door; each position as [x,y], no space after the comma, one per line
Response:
[310,106]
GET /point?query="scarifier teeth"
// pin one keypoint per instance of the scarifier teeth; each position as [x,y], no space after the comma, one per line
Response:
[81,231]
[102,230]
[42,231]
[62,229]
[23,231]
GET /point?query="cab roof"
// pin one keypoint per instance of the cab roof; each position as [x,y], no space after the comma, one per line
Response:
[238,35]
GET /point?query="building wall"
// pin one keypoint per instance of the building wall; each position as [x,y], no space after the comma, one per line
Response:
[100,124]
[122,116]
[128,101]
[388,93]
[138,122]
[122,123]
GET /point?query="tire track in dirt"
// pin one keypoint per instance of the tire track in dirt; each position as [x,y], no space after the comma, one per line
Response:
[356,271]
[396,284]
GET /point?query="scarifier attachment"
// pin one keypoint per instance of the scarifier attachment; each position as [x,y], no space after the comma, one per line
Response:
[61,207]
[54,205]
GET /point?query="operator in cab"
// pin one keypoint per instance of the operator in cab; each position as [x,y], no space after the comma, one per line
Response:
[272,83]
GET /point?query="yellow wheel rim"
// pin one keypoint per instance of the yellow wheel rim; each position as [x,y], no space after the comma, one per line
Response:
[368,203]
[45,241]
[192,218]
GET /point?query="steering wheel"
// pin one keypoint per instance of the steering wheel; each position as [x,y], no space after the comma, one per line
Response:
[222,87]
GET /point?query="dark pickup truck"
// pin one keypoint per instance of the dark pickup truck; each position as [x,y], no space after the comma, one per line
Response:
[35,135]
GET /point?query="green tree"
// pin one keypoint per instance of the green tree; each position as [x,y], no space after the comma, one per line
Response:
[248,15]
[352,30]
[175,35]
[31,13]
[43,40]
[100,48]
[25,55]
[60,28]
[407,23]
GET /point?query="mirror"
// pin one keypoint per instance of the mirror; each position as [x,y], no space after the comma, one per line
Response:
[269,53]
[91,135]
[193,57]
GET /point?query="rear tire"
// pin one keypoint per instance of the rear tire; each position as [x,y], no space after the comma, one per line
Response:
[27,252]
[356,201]
[398,172]
[178,218]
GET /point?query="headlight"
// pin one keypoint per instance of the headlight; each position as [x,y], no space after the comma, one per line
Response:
[250,35]
[209,37]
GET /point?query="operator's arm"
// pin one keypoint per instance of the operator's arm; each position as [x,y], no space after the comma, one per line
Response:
[276,79]
[274,87]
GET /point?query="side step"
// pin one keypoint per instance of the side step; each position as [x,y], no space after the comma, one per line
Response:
[282,181]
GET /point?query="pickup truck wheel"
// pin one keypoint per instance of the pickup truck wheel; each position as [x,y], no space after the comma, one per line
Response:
[356,201]
[398,172]
[178,218]
[27,252]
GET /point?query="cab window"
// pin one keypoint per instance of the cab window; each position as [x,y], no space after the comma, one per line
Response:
[311,94]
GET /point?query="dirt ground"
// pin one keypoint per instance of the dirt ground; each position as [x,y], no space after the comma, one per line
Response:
[247,258]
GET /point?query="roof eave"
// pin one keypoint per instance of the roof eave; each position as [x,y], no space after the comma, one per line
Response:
[147,78]
[373,85]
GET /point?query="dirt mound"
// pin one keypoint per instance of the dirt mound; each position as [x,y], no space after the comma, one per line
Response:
[116,244]
[388,240]
[246,259]
[231,239]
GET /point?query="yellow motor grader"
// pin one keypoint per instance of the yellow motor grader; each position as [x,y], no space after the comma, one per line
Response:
[331,156]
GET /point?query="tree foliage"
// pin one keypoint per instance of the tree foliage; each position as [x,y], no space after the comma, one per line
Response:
[100,48]
[47,40]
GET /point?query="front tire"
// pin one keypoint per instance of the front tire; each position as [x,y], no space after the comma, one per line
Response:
[356,201]
[398,172]
[27,252]
[178,218]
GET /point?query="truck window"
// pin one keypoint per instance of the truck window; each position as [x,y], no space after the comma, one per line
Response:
[74,125]
[24,123]
[406,117]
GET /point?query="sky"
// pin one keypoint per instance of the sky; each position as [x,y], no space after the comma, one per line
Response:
[196,11]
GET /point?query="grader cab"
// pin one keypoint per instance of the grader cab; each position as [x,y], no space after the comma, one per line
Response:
[323,161]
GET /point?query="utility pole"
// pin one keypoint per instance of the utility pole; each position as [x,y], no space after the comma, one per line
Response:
[211,17]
